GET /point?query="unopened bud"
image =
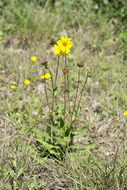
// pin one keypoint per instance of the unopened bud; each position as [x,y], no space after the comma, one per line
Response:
[65,71]
[53,41]
[80,65]
[44,63]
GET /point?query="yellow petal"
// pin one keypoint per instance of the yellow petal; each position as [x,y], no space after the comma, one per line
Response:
[33,58]
[27,82]
[13,86]
[47,76]
[43,77]
[125,113]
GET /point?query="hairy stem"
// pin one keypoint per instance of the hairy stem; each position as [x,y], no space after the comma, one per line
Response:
[64,95]
[76,93]
[52,88]
[56,72]
[45,87]
[81,94]
[68,86]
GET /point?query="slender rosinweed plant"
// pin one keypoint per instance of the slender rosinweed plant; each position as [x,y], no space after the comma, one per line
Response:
[59,134]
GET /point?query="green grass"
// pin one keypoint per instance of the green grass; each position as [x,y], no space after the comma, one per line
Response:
[100,161]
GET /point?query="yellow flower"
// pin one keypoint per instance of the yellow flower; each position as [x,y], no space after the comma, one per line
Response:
[13,86]
[27,82]
[33,58]
[65,45]
[46,76]
[125,113]
[57,50]
[43,77]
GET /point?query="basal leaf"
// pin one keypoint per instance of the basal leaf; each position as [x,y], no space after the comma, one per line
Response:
[54,152]
[41,134]
[46,145]
[20,172]
[61,141]
[82,129]
[58,131]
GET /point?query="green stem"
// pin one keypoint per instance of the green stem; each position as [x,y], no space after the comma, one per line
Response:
[81,94]
[76,93]
[45,87]
[55,88]
[52,88]
[68,84]
[71,136]
[56,71]
[64,95]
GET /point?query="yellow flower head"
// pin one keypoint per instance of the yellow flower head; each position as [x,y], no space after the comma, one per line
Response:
[33,58]
[46,76]
[13,86]
[57,50]
[43,77]
[65,45]
[125,113]
[27,82]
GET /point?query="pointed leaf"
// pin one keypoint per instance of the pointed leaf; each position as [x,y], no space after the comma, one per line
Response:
[54,152]
[58,131]
[20,172]
[47,145]
[41,134]
[82,129]
[61,141]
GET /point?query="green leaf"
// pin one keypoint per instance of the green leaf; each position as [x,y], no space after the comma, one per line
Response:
[53,149]
[77,132]
[10,171]
[123,35]
[106,2]
[20,172]
[82,129]
[89,74]
[47,145]
[61,122]
[90,147]
[106,67]
[61,141]
[54,152]
[14,163]
[41,134]
[58,131]
[14,185]
[48,124]
[67,131]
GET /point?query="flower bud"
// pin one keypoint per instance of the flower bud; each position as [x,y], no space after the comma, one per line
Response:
[65,71]
[80,65]
[44,63]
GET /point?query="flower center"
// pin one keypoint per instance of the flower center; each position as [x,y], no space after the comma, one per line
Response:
[64,43]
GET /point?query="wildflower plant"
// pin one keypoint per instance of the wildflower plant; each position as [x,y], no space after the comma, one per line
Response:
[58,138]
